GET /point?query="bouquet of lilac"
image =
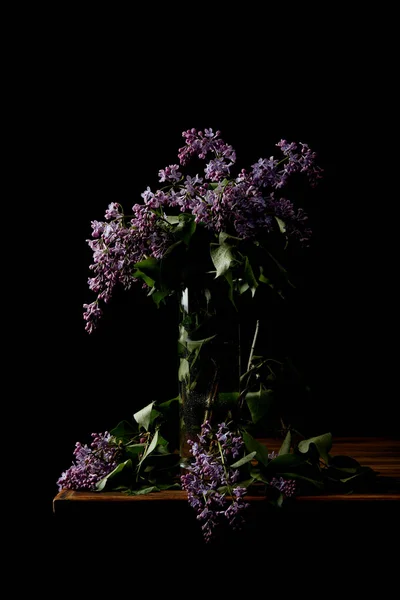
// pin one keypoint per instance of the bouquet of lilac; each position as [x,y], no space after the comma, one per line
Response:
[232,223]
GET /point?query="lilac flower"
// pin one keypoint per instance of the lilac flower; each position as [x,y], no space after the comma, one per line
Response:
[91,315]
[97,228]
[200,144]
[234,511]
[216,169]
[114,211]
[303,162]
[286,486]
[191,183]
[264,172]
[170,173]
[147,195]
[209,474]
[91,464]
[295,220]
[112,258]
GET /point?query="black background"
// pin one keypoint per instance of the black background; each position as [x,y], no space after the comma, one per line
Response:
[97,104]
[103,119]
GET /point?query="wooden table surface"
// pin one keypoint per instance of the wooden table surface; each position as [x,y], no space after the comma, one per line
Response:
[381,454]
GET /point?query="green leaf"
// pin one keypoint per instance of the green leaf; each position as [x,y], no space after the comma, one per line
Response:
[244,460]
[172,219]
[124,431]
[229,279]
[150,267]
[228,239]
[144,490]
[135,449]
[363,471]
[222,257]
[185,228]
[252,445]
[168,404]
[158,296]
[154,414]
[186,344]
[257,475]
[118,469]
[285,448]
[143,416]
[183,371]
[285,461]
[281,224]
[259,403]
[152,446]
[249,276]
[194,344]
[262,277]
[162,441]
[323,443]
[141,275]
[168,486]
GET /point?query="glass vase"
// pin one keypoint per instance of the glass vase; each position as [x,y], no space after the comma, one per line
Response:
[209,363]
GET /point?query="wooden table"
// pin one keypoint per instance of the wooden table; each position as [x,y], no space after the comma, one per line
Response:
[381,454]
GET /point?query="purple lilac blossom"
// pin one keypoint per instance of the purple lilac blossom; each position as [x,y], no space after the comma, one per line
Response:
[116,249]
[286,486]
[170,173]
[208,473]
[114,211]
[91,464]
[246,206]
[303,162]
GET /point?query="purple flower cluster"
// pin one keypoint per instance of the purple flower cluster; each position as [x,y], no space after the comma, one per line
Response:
[246,206]
[200,144]
[91,465]
[211,483]
[287,487]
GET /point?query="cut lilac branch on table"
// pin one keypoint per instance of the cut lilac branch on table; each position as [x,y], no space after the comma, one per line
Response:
[91,465]
[212,482]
